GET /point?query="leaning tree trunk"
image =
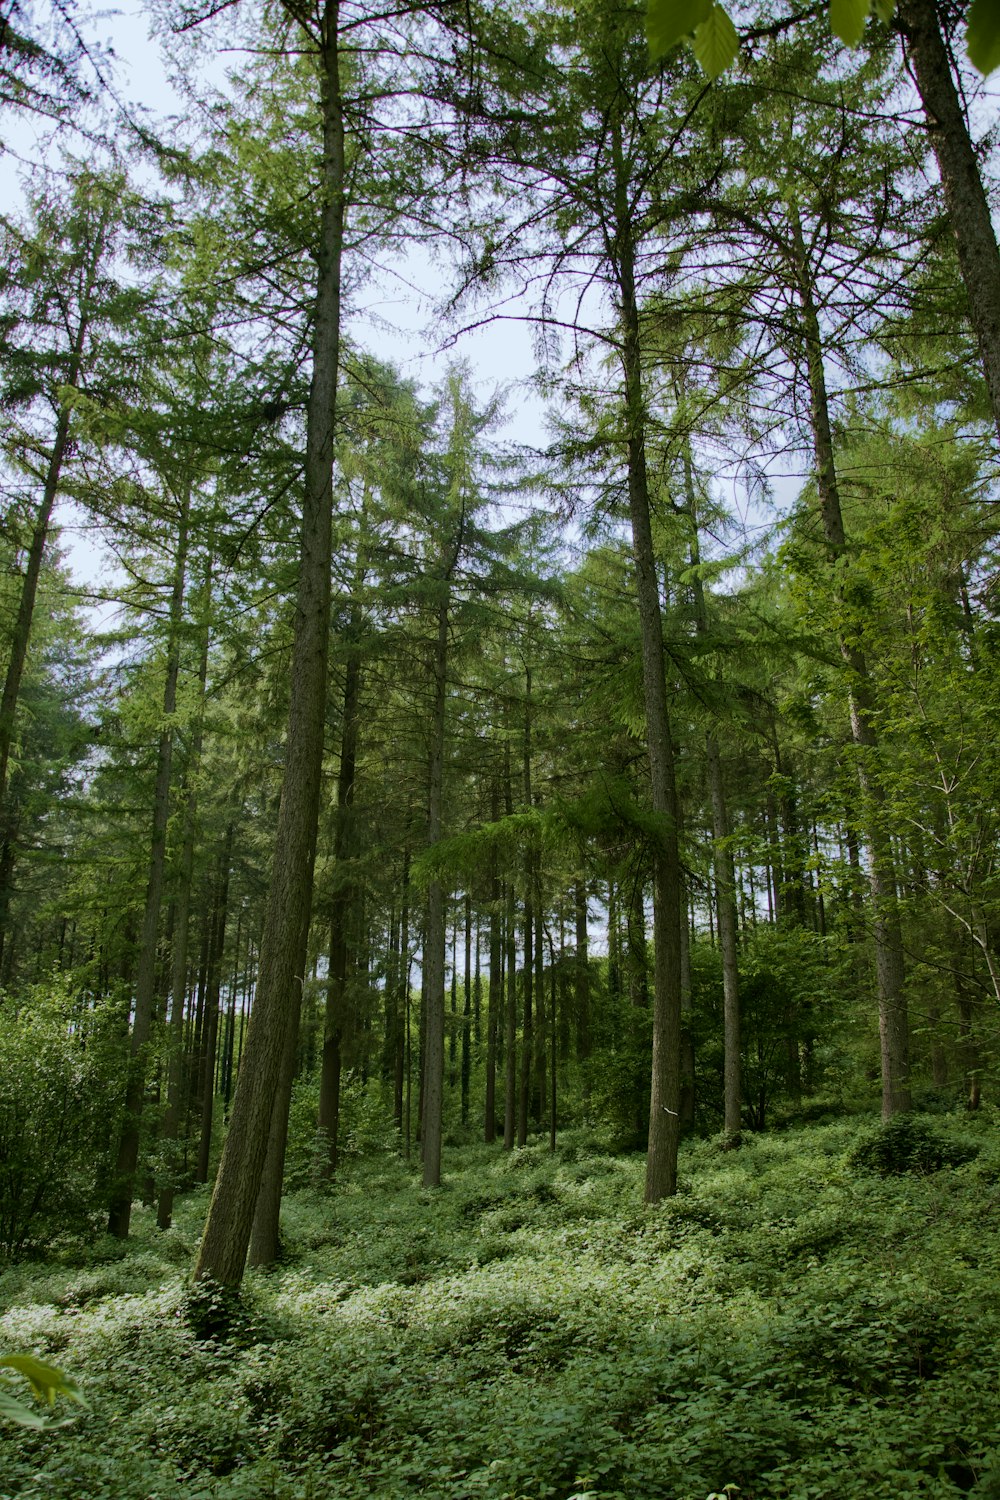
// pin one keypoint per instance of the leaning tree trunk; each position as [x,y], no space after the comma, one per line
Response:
[886,930]
[286,924]
[961,180]
[664,1101]
[120,1212]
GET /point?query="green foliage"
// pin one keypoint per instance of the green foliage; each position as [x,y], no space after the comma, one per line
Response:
[848,19]
[670,21]
[47,1384]
[716,43]
[983,35]
[783,1327]
[908,1144]
[714,38]
[61,1065]
[791,988]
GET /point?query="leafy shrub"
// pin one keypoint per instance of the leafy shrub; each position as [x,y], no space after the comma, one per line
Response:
[907,1144]
[782,1328]
[61,1061]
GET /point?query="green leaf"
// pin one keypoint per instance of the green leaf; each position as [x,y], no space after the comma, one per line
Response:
[46,1384]
[885,10]
[15,1411]
[848,19]
[668,21]
[716,43]
[983,35]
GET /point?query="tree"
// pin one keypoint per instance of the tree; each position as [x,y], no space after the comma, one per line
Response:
[63,311]
[272,1028]
[924,27]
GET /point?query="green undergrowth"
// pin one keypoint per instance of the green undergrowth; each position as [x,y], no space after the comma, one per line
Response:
[797,1324]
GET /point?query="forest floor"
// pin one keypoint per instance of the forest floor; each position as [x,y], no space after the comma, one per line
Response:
[792,1326]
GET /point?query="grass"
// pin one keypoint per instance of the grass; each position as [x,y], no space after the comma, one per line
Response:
[792,1324]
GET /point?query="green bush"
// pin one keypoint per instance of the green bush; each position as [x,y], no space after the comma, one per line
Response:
[908,1144]
[782,1327]
[62,1059]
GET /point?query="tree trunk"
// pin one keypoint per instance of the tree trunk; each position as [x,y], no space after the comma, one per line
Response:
[340,915]
[182,923]
[887,934]
[581,974]
[212,997]
[434,951]
[540,1072]
[467,1013]
[528,967]
[494,1003]
[510,1028]
[120,1212]
[265,1233]
[961,180]
[664,1102]
[723,867]
[227,1230]
[402,1039]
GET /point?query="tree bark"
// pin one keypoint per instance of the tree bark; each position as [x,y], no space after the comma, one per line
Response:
[227,1230]
[212,997]
[494,1002]
[723,868]
[120,1212]
[434,951]
[510,1028]
[961,180]
[467,1013]
[182,924]
[887,934]
[340,911]
[664,1102]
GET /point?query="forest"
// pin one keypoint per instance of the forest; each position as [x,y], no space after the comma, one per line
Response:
[500,883]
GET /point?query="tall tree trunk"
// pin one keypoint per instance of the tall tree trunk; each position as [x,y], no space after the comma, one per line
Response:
[265,1232]
[510,1027]
[494,1002]
[282,960]
[687,1035]
[527,1017]
[402,1040]
[182,923]
[120,1212]
[664,1102]
[887,934]
[340,915]
[467,1013]
[539,1082]
[581,975]
[528,967]
[723,868]
[434,951]
[961,180]
[212,998]
[33,568]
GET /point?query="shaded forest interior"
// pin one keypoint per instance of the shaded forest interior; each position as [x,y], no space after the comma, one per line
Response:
[412,798]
